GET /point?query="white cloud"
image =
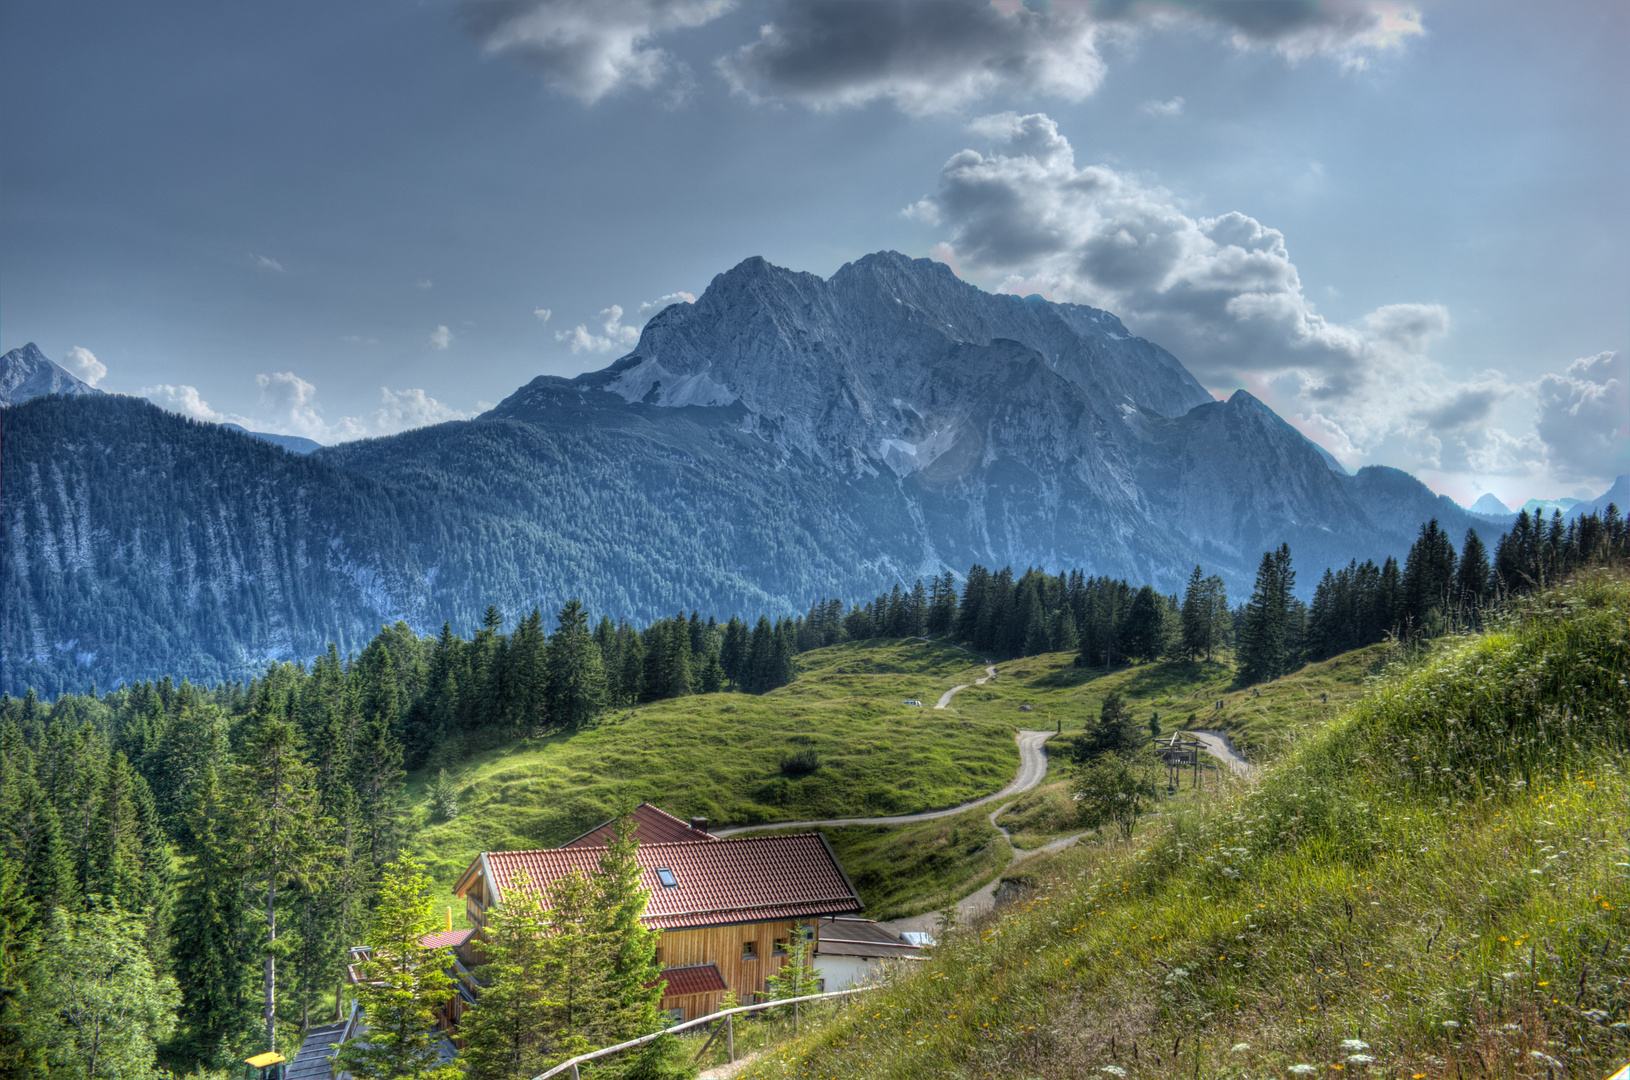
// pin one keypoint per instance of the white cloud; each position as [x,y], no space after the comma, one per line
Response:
[288,406]
[441,337]
[424,285]
[358,339]
[590,49]
[1225,296]
[1171,107]
[924,58]
[937,57]
[185,400]
[543,314]
[83,363]
[404,409]
[1583,416]
[651,307]
[616,336]
[266,263]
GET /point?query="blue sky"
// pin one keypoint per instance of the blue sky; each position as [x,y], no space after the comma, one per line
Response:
[1404,226]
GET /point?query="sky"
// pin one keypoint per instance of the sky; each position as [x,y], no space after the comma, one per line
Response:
[1406,227]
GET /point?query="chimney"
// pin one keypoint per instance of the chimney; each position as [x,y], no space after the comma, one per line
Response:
[699,824]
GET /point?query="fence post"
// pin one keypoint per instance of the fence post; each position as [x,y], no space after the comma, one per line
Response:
[795,1019]
[730,1038]
[574,1072]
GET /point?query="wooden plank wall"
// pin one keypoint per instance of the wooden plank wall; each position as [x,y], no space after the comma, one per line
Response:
[722,945]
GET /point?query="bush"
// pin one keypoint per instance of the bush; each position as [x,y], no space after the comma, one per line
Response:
[800,763]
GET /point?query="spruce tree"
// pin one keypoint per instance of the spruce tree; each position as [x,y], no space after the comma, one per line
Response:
[403,984]
[213,953]
[280,834]
[576,685]
[511,1031]
[631,947]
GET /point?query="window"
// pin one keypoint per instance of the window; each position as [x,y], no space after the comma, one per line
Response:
[820,986]
[806,931]
[673,1016]
[779,948]
[749,950]
[667,878]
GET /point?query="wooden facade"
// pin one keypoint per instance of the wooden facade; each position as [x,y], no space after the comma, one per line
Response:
[726,947]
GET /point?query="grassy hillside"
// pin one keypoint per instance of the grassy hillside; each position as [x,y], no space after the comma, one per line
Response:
[1261,719]
[1434,886]
[720,755]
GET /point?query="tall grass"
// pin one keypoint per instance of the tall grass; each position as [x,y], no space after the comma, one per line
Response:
[1436,886]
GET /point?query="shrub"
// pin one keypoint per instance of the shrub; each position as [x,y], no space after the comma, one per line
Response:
[800,762]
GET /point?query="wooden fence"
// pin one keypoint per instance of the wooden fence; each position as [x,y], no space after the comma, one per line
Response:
[729,1030]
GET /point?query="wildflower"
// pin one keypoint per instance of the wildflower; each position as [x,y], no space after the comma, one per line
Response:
[1353,1046]
[1113,1070]
[1303,1070]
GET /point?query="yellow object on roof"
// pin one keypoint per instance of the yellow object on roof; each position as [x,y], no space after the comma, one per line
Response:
[260,1061]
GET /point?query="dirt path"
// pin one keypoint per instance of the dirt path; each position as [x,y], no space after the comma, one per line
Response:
[945,698]
[1032,768]
[1221,747]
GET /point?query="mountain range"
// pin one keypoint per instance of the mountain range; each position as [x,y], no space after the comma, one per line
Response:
[781,439]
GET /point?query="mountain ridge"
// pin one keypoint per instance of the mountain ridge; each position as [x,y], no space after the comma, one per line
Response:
[785,438]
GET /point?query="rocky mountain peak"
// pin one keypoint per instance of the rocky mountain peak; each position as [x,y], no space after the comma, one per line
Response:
[26,373]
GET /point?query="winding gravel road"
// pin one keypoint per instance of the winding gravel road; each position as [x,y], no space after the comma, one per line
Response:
[1032,768]
[945,698]
[1221,747]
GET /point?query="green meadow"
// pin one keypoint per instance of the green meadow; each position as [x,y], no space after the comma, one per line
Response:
[721,756]
[1432,885]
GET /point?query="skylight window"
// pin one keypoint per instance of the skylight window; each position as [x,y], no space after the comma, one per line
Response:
[667,878]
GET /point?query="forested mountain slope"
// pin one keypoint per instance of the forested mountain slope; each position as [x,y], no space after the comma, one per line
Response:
[783,438]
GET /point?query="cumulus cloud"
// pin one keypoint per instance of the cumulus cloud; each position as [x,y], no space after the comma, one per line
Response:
[542,314]
[924,58]
[1222,293]
[404,409]
[590,49]
[186,401]
[266,263]
[616,335]
[288,405]
[1171,107]
[83,363]
[937,57]
[424,284]
[651,307]
[441,337]
[1348,32]
[1583,417]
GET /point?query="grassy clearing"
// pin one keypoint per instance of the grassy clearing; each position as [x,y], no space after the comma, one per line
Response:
[720,755]
[1263,720]
[904,870]
[1436,886]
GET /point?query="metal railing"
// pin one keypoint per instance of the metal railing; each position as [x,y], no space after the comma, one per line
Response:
[729,1029]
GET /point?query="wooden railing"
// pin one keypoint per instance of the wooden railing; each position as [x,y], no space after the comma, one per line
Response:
[729,1029]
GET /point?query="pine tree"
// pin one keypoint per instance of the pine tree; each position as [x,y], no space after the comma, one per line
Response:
[1472,579]
[632,948]
[511,1032]
[103,1010]
[213,951]
[576,685]
[1263,651]
[281,835]
[1144,634]
[403,984]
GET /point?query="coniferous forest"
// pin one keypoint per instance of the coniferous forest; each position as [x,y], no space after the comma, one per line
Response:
[200,858]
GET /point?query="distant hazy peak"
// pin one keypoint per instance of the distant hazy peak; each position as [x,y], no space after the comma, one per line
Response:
[1487,504]
[26,373]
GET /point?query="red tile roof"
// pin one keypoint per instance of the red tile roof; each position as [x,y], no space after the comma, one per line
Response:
[696,979]
[651,826]
[450,938]
[736,880]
